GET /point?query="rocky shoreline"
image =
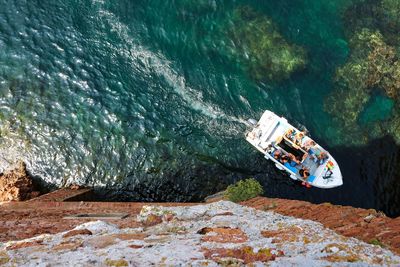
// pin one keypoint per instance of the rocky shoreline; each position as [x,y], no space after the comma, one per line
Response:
[16,184]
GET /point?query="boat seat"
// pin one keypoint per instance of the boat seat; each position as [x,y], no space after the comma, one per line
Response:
[311,179]
[293,169]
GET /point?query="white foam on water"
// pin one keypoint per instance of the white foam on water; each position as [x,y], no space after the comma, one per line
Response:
[162,67]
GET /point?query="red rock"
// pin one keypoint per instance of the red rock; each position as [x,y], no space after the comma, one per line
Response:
[135,246]
[16,184]
[244,253]
[20,220]
[290,234]
[25,245]
[102,241]
[348,221]
[223,235]
[205,230]
[77,232]
[131,236]
[68,245]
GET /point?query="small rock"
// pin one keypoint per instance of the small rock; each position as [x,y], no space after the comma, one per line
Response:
[74,187]
[227,213]
[102,241]
[20,245]
[334,249]
[135,246]
[369,218]
[152,220]
[204,230]
[71,246]
[77,232]
[121,262]
[223,235]
[246,254]
[168,217]
[130,236]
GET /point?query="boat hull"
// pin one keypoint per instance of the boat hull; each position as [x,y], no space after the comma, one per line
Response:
[268,135]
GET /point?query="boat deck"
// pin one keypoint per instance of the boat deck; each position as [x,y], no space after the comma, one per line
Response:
[271,134]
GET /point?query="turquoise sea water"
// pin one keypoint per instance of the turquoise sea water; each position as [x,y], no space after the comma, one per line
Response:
[144,98]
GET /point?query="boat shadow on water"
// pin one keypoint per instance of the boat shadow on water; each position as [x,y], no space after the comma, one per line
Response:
[371,179]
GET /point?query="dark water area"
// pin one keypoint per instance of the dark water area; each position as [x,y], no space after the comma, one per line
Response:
[147,100]
[371,179]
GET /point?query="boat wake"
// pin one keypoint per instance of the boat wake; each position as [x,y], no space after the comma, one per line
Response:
[156,64]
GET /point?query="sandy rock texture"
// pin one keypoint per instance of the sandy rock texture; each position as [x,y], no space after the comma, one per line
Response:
[220,233]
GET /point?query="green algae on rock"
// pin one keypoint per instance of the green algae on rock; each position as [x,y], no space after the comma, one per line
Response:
[391,13]
[373,65]
[382,14]
[264,52]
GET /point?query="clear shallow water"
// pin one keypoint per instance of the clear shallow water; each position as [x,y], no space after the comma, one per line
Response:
[143,98]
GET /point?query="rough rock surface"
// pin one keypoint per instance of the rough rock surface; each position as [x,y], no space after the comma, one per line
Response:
[16,185]
[251,236]
[368,225]
[21,220]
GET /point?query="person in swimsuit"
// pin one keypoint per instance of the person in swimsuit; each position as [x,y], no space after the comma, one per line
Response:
[293,158]
[277,154]
[298,138]
[289,134]
[304,173]
[322,157]
[284,158]
[308,145]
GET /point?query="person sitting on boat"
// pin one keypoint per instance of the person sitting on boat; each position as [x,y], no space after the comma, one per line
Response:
[284,158]
[293,159]
[277,154]
[252,135]
[308,145]
[289,134]
[322,157]
[298,138]
[304,173]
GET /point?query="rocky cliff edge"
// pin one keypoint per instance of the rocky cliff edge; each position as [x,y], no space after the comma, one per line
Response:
[220,233]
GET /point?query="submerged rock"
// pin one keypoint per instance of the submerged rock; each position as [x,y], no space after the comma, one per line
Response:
[371,75]
[264,52]
[383,15]
[16,185]
[373,67]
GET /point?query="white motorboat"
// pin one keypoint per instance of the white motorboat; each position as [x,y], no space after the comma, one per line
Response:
[292,151]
